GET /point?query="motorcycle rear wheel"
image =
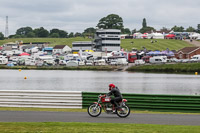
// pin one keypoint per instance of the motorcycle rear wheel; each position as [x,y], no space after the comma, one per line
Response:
[94,110]
[124,111]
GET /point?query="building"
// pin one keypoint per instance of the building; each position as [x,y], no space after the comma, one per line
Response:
[82,45]
[107,40]
[48,50]
[10,46]
[61,49]
[187,52]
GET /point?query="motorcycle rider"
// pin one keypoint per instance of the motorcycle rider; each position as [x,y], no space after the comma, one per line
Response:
[117,95]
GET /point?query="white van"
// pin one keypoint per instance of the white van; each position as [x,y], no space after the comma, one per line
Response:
[139,62]
[101,62]
[196,58]
[3,60]
[122,61]
[158,60]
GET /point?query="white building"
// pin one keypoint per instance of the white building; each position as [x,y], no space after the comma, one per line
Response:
[82,45]
[107,40]
[61,49]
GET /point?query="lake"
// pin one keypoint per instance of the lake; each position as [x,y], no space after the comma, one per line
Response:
[98,81]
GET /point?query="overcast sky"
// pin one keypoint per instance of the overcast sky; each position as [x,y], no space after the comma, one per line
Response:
[77,15]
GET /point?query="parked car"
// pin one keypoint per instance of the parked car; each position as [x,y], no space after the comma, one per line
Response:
[158,60]
[139,62]
[195,58]
[122,61]
[81,63]
[62,62]
[101,62]
[113,62]
[72,63]
[146,58]
[185,60]
[174,60]
[89,63]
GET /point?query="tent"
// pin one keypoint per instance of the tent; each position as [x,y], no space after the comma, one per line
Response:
[88,50]
[170,36]
[24,54]
[157,35]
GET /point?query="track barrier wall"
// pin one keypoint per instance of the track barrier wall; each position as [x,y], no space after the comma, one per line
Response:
[168,103]
[78,99]
[41,99]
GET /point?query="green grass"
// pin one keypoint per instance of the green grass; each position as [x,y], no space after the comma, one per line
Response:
[83,110]
[161,44]
[92,68]
[168,68]
[52,41]
[76,127]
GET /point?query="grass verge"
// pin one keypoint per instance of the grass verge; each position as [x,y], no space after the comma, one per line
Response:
[75,127]
[81,110]
[127,44]
[168,68]
[92,68]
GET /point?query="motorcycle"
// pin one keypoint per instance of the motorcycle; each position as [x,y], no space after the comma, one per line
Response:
[95,108]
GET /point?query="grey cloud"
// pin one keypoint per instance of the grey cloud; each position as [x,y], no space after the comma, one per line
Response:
[76,15]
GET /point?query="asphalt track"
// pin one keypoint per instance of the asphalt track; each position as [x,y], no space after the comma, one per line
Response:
[163,119]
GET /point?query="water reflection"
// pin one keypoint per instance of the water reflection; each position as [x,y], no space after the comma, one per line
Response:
[97,81]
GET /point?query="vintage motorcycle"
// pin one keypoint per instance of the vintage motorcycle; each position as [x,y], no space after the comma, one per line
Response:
[95,108]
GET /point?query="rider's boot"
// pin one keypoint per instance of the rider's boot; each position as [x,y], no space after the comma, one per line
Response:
[117,106]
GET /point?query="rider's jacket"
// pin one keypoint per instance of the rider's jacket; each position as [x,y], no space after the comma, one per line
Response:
[115,91]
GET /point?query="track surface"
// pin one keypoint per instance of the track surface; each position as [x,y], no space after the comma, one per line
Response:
[164,119]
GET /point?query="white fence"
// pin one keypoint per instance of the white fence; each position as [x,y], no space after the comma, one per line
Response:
[40,99]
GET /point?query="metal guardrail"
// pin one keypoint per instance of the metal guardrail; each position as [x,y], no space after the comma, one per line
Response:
[40,99]
[173,103]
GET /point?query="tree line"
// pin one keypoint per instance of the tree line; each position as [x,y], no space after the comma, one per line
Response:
[112,21]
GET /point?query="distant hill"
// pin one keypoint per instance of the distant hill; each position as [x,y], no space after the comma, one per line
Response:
[127,44]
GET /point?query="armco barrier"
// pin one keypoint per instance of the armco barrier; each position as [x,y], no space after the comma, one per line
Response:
[174,103]
[40,99]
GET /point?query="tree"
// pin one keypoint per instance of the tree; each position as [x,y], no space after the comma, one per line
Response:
[126,31]
[89,32]
[31,34]
[1,36]
[144,23]
[164,29]
[54,31]
[24,31]
[177,29]
[77,34]
[198,28]
[71,34]
[55,35]
[146,28]
[134,31]
[41,32]
[112,21]
[63,34]
[190,29]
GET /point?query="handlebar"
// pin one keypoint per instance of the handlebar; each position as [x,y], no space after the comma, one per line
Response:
[104,95]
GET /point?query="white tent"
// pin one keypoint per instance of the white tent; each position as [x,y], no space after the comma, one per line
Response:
[194,36]
[137,35]
[198,38]
[156,36]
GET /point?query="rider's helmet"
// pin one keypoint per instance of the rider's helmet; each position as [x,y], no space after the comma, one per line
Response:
[111,86]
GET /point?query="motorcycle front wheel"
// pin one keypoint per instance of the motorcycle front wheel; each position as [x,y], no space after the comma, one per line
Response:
[123,112]
[94,110]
